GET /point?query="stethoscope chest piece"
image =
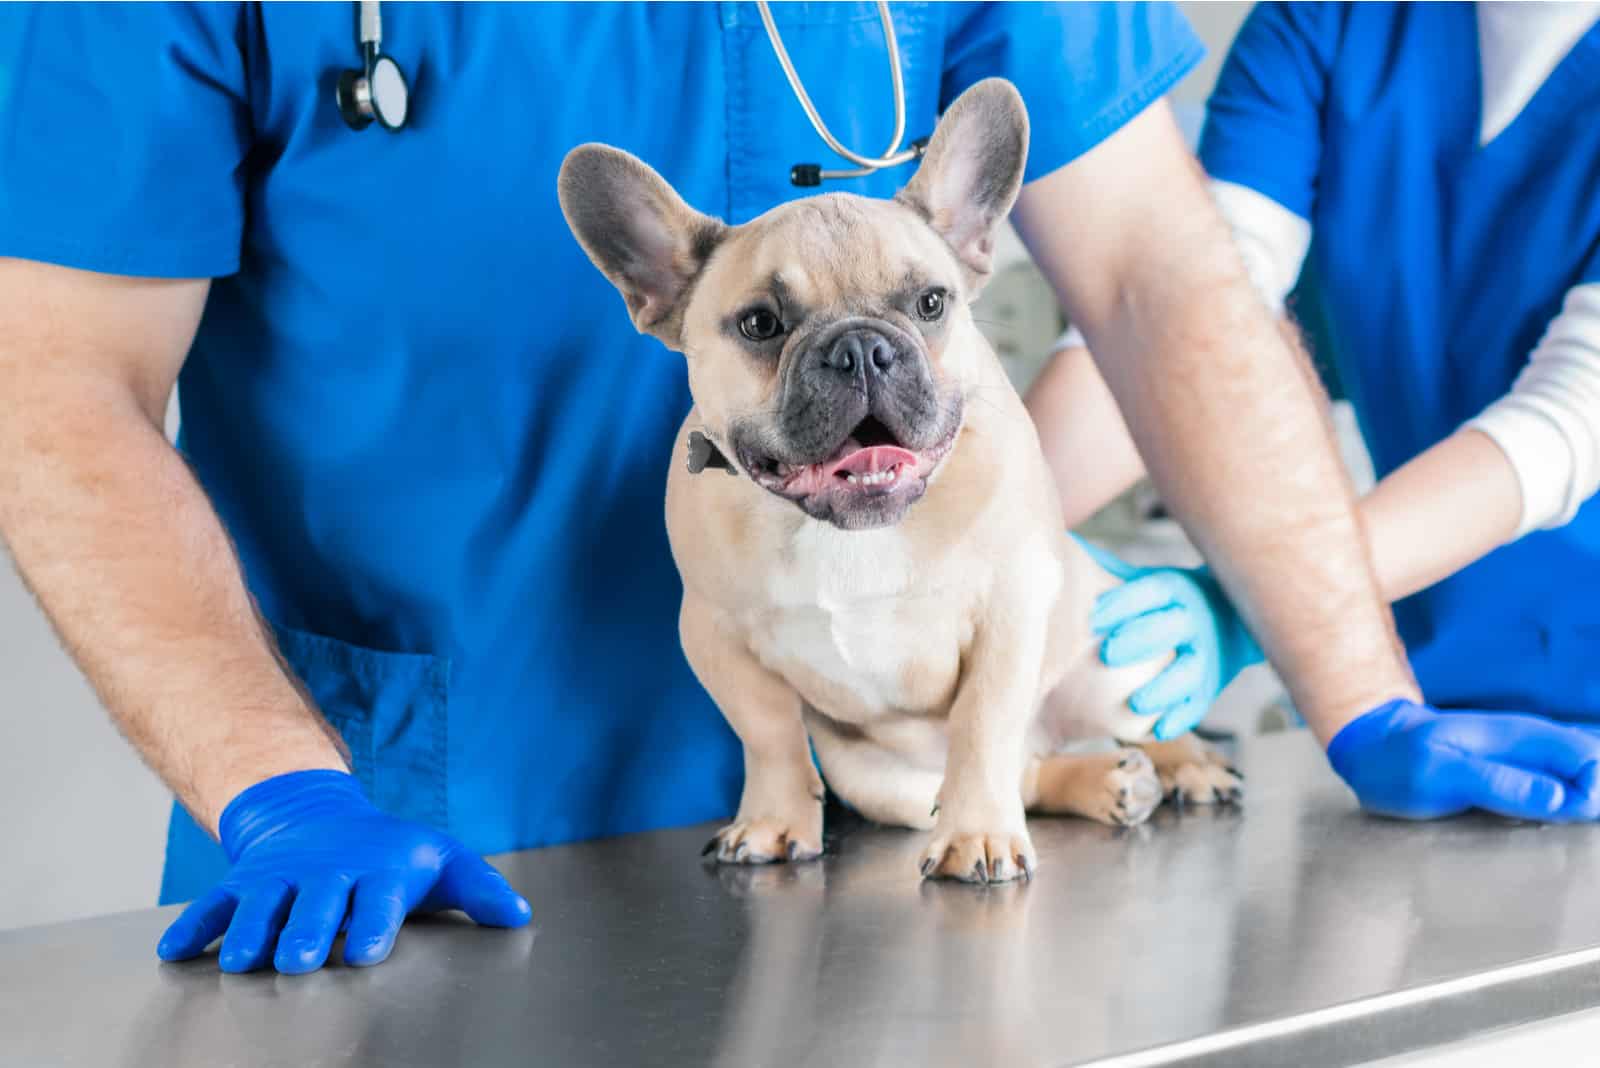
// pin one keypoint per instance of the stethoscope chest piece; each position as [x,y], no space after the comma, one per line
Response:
[377,90]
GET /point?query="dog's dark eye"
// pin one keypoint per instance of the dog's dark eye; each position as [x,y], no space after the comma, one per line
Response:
[760,325]
[931,304]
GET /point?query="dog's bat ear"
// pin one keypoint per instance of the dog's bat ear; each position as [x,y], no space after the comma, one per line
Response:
[972,171]
[639,232]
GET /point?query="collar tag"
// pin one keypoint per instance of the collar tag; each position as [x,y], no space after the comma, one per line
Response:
[703,454]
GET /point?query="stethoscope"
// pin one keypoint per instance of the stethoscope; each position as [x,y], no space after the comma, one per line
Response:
[811,174]
[378,91]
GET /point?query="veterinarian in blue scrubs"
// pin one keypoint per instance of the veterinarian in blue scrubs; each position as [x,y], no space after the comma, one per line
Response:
[1441,162]
[425,422]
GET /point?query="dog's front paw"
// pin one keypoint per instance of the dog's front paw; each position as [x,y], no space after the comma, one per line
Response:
[993,857]
[767,841]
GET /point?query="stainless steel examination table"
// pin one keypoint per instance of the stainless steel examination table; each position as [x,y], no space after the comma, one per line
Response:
[1293,932]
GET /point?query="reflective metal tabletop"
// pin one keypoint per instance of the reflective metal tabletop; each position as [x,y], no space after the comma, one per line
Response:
[1294,932]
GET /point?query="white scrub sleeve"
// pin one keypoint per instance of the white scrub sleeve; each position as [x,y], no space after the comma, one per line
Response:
[1549,424]
[1272,240]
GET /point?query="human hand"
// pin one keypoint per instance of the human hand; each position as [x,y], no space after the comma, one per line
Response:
[308,852]
[1177,612]
[1411,761]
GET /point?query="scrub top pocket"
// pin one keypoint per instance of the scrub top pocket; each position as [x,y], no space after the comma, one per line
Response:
[391,709]
[838,50]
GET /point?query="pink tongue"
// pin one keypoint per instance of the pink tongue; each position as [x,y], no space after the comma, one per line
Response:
[871,460]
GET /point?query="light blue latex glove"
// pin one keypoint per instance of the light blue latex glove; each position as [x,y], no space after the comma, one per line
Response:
[308,851]
[1181,612]
[1414,762]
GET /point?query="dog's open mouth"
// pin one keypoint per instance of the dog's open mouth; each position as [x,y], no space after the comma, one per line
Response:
[870,462]
[870,457]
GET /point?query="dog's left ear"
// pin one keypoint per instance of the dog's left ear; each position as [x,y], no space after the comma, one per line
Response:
[639,232]
[972,171]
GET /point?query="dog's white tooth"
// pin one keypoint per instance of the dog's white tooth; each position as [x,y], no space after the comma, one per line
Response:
[850,478]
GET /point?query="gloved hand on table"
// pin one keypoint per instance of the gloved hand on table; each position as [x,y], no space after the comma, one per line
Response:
[1171,610]
[308,850]
[1414,762]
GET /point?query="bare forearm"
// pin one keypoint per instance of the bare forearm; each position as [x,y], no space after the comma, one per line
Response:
[1443,510]
[124,552]
[1225,409]
[1235,433]
[1086,443]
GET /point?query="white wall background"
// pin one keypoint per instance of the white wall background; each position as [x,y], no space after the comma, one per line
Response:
[84,821]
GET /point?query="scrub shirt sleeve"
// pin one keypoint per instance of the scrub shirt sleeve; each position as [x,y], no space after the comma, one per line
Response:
[1083,69]
[123,134]
[1263,125]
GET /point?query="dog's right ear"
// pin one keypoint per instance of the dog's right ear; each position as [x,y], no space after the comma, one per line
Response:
[639,232]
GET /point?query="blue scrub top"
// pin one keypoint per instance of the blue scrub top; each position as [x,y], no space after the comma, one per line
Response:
[423,416]
[1441,263]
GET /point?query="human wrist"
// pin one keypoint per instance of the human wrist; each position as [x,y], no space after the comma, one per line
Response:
[1362,732]
[231,777]
[1328,719]
[1239,648]
[279,800]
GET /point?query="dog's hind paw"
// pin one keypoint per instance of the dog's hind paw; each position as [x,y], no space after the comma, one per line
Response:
[1131,792]
[1202,784]
[762,841]
[1195,773]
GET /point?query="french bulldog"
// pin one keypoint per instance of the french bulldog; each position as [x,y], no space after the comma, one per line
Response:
[885,578]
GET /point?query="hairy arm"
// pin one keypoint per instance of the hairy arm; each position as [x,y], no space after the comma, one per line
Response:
[117,540]
[1226,410]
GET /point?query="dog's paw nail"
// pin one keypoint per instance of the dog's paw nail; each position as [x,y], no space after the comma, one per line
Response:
[1023,866]
[742,852]
[935,810]
[927,866]
[709,846]
[793,850]
[980,874]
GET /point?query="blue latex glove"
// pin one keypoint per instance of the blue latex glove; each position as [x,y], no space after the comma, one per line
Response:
[308,851]
[1160,611]
[1414,762]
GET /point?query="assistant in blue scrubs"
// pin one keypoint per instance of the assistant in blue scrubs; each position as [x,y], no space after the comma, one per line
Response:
[423,417]
[1441,262]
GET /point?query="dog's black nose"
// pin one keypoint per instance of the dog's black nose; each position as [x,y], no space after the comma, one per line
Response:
[864,350]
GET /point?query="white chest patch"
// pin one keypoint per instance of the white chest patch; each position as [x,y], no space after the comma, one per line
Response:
[848,606]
